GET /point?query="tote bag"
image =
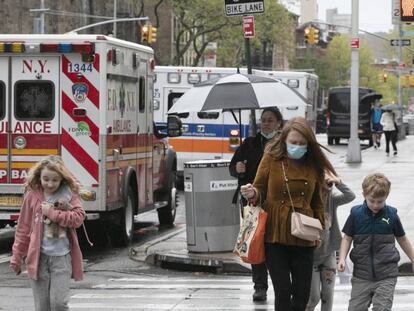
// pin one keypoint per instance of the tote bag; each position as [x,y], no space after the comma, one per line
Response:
[250,241]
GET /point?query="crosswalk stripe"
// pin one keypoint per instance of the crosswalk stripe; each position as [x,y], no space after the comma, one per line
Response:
[201,293]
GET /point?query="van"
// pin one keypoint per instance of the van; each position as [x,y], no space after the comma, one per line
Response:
[339,109]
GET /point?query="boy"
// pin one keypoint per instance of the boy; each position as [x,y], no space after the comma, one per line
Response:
[373,227]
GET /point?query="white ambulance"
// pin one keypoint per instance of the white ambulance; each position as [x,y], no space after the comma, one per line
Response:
[212,135]
[89,99]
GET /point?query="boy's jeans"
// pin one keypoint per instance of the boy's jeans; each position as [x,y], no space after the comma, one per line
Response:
[323,283]
[380,293]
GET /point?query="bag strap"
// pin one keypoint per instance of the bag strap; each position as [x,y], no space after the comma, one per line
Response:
[287,187]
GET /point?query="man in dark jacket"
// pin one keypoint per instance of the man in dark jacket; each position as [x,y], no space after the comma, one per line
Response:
[244,166]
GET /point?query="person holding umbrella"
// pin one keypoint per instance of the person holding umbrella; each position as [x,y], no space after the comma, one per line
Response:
[289,259]
[244,166]
[390,130]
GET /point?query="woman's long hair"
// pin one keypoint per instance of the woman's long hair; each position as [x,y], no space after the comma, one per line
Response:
[314,158]
[54,163]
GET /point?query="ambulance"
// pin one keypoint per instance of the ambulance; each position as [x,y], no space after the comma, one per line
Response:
[215,135]
[89,99]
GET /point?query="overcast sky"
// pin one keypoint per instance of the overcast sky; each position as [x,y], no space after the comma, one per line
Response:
[374,15]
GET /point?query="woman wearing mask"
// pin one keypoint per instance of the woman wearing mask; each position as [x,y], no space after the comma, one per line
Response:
[290,259]
[243,166]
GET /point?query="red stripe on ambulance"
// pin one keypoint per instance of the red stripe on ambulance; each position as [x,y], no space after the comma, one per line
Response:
[96,62]
[93,93]
[83,158]
[68,105]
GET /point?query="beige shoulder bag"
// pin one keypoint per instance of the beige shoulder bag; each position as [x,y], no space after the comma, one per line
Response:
[302,226]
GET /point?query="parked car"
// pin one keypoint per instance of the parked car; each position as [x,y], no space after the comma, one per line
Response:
[338,113]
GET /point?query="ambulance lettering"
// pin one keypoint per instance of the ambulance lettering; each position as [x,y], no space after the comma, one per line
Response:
[122,126]
[36,127]
[31,66]
[16,174]
[112,104]
[82,129]
[3,127]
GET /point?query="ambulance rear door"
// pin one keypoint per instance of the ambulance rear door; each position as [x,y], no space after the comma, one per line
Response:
[33,113]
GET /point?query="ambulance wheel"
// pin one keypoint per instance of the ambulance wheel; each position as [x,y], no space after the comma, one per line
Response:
[330,140]
[166,214]
[124,229]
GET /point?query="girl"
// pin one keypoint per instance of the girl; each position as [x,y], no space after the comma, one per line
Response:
[50,262]
[324,260]
[289,260]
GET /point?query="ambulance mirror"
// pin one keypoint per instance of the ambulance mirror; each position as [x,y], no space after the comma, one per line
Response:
[174,126]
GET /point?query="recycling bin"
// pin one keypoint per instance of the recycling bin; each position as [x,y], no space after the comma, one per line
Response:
[212,219]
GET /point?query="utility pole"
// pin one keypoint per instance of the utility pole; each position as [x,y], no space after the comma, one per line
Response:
[115,14]
[354,148]
[39,22]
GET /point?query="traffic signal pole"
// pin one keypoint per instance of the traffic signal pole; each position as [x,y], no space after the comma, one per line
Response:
[354,148]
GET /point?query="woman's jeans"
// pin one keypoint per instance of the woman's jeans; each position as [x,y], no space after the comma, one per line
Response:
[323,284]
[390,136]
[290,268]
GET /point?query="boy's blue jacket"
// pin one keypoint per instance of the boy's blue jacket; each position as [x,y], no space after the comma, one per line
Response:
[374,255]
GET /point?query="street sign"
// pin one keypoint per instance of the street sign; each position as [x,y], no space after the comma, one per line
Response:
[396,12]
[355,43]
[400,42]
[243,7]
[248,26]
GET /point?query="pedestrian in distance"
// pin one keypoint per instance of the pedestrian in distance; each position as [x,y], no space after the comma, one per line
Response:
[390,131]
[372,227]
[376,127]
[244,166]
[290,259]
[324,257]
[50,261]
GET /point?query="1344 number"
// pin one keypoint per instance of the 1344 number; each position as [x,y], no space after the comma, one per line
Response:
[76,67]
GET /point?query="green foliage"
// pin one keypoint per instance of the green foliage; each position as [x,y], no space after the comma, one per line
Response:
[201,22]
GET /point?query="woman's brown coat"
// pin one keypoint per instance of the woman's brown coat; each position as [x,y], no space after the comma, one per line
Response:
[305,191]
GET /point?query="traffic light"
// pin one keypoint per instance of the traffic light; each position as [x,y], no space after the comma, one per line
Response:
[144,34]
[315,35]
[407,10]
[152,34]
[306,32]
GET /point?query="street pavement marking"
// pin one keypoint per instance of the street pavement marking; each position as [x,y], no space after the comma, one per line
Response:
[5,258]
[201,293]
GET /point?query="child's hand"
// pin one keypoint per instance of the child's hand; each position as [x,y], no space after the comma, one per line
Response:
[15,268]
[247,191]
[341,265]
[45,208]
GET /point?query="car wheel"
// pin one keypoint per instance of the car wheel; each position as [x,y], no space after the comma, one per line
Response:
[166,214]
[124,229]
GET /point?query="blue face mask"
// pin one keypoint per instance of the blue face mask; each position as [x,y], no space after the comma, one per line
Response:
[295,151]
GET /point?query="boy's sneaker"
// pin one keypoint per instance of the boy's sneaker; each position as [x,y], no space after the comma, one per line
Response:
[260,294]
[387,154]
[375,146]
[395,153]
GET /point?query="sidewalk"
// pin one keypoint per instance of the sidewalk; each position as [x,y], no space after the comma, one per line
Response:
[171,250]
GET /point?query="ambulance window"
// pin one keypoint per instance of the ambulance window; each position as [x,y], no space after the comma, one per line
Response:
[172,98]
[141,94]
[34,100]
[208,115]
[2,100]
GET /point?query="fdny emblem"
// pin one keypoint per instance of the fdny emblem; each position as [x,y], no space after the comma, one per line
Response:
[80,91]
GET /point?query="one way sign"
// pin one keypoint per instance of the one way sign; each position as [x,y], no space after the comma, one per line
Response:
[400,42]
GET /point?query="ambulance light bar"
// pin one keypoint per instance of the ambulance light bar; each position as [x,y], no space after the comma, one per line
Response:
[21,47]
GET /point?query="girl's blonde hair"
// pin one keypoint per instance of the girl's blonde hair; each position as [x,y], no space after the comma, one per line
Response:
[54,163]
